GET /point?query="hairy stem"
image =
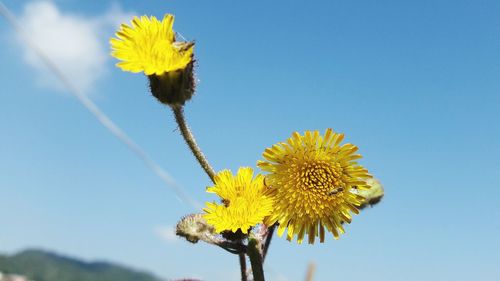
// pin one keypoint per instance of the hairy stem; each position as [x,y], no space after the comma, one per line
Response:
[255,259]
[243,266]
[190,141]
[267,243]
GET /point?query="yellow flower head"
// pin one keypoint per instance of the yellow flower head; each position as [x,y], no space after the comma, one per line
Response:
[244,201]
[312,179]
[149,46]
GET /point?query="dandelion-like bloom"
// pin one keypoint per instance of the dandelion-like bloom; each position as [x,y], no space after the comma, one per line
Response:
[149,46]
[244,201]
[313,179]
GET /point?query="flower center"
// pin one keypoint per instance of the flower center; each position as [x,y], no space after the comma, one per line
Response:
[322,177]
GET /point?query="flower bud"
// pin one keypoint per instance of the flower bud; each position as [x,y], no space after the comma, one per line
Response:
[373,195]
[174,87]
[194,228]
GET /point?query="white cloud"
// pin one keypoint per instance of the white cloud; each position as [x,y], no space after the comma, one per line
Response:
[167,233]
[78,45]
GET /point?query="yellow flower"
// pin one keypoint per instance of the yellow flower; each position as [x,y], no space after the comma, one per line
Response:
[149,46]
[312,179]
[244,201]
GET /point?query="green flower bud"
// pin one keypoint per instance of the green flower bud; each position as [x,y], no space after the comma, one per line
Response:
[173,87]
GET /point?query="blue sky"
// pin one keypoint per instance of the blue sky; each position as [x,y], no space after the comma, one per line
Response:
[415,84]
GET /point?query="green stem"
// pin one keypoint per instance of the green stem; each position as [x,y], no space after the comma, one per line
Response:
[255,259]
[190,141]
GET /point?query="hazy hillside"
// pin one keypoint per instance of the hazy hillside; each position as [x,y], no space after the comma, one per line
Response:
[45,266]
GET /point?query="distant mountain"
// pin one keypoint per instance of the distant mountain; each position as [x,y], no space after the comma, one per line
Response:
[40,265]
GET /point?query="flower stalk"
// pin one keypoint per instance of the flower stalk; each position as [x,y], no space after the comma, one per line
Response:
[191,142]
[267,242]
[255,259]
[243,267]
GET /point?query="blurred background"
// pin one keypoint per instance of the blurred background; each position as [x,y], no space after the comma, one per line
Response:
[415,84]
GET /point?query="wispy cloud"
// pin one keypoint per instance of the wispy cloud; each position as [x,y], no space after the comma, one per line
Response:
[76,44]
